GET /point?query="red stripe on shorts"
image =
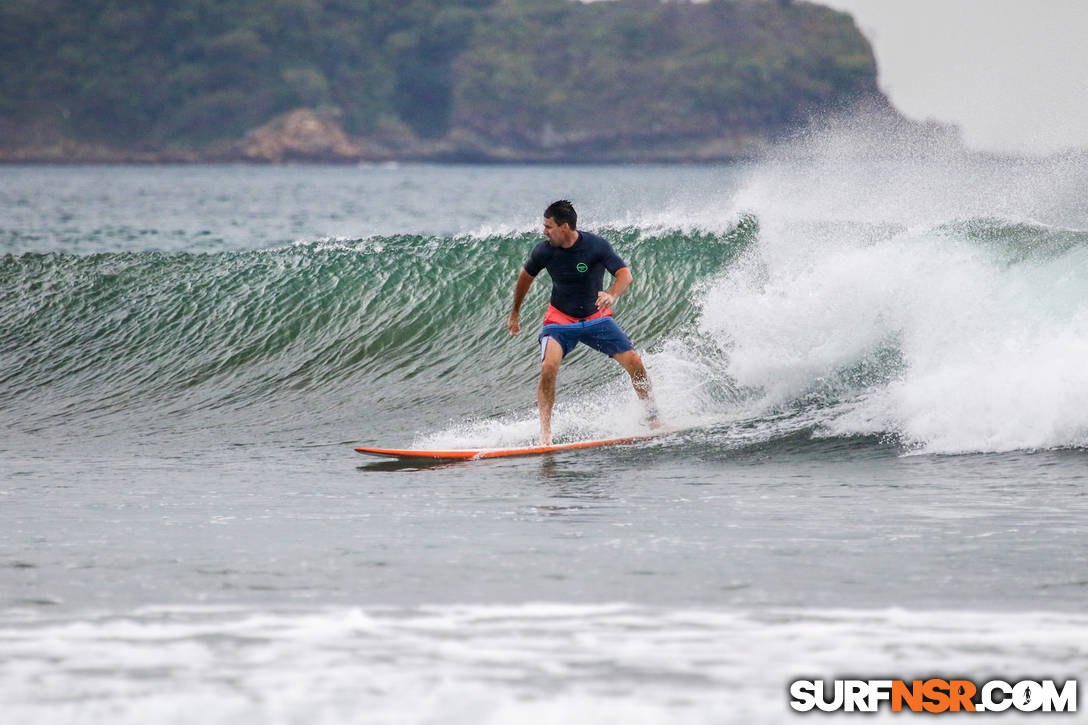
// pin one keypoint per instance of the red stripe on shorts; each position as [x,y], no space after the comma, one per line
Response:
[555,317]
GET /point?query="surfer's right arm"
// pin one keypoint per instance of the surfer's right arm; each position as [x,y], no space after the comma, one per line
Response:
[524,280]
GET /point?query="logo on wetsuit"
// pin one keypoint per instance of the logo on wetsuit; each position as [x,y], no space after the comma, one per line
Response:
[582,267]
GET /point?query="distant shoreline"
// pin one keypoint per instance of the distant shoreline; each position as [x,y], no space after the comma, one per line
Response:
[123,161]
[305,136]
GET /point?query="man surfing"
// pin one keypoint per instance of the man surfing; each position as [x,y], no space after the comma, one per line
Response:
[580,311]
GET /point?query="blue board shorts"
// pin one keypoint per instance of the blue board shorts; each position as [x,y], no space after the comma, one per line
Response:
[602,334]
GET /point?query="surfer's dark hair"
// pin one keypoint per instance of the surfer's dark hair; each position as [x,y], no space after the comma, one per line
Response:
[562,212]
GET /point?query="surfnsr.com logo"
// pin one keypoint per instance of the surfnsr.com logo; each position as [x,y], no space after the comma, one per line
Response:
[933,695]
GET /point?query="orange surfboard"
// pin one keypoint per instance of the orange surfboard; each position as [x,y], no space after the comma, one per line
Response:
[477,454]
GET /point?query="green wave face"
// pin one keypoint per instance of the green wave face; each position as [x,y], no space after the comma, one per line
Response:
[408,322]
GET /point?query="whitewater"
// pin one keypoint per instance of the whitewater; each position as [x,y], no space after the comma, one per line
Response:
[870,346]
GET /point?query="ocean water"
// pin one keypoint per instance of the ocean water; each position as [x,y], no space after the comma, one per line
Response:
[873,365]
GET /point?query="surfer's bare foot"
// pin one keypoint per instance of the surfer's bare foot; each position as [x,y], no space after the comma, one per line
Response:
[651,419]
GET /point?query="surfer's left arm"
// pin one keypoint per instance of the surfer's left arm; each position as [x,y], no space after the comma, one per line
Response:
[619,286]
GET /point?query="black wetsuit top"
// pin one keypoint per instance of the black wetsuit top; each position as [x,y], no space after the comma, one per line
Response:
[577,272]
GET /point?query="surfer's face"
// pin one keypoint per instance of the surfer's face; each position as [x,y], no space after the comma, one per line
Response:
[556,234]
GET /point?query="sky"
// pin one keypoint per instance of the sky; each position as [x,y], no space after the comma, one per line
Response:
[1012,74]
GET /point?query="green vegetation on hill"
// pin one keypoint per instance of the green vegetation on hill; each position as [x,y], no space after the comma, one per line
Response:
[192,71]
[559,73]
[522,74]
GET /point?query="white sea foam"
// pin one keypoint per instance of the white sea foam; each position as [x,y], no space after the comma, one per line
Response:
[856,256]
[610,412]
[529,663]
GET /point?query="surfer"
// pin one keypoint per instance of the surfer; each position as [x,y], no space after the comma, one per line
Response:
[580,310]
